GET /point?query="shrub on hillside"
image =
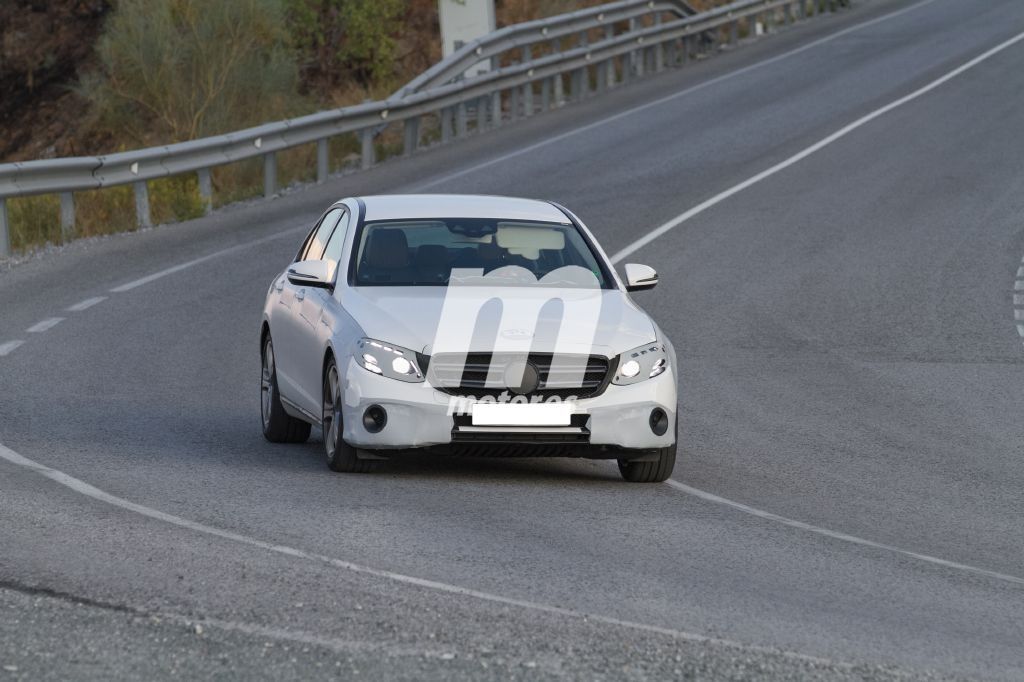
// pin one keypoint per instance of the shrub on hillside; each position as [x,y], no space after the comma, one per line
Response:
[173,70]
[338,39]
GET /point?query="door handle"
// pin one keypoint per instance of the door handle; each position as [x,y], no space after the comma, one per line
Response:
[300,294]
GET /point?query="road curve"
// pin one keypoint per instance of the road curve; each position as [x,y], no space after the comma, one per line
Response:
[851,375]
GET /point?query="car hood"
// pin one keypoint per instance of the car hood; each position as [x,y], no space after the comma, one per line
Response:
[409,317]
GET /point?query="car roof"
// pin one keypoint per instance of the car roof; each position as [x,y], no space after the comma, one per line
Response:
[400,206]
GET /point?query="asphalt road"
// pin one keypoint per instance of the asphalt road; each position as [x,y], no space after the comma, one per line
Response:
[849,357]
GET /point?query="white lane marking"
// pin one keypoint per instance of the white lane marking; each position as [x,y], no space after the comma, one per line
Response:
[668,98]
[1018,314]
[1020,330]
[87,303]
[768,516]
[1018,285]
[45,325]
[817,146]
[8,347]
[1020,272]
[90,491]
[188,264]
[1018,299]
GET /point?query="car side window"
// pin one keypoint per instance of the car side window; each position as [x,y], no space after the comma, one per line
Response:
[315,249]
[332,254]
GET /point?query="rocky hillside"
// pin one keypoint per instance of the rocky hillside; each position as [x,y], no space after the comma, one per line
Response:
[43,46]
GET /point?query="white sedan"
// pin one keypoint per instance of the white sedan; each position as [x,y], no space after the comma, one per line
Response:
[467,325]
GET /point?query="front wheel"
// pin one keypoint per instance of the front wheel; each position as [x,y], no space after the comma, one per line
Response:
[655,471]
[341,456]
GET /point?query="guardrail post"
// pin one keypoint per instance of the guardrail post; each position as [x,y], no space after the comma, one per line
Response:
[368,156]
[411,134]
[545,94]
[609,64]
[580,83]
[659,51]
[446,125]
[528,99]
[269,174]
[559,93]
[513,105]
[496,112]
[5,229]
[67,215]
[461,123]
[481,114]
[142,218]
[205,189]
[734,32]
[323,166]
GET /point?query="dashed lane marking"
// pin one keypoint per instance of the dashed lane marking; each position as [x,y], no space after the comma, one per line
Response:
[8,347]
[1018,300]
[210,256]
[46,325]
[86,304]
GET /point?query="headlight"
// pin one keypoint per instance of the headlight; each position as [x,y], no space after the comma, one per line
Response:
[388,360]
[645,362]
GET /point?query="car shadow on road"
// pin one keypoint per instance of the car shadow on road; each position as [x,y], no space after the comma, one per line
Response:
[428,465]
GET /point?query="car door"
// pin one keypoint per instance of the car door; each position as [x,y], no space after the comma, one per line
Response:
[311,312]
[289,328]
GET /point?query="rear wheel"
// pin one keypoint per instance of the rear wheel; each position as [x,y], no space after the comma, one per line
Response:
[278,425]
[340,455]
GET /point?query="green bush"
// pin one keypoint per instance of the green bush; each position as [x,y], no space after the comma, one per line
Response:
[174,70]
[337,38]
[175,199]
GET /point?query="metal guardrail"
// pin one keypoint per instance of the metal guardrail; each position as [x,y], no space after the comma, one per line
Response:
[633,39]
[527,35]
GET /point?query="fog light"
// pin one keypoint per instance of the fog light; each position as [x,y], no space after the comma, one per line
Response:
[659,421]
[375,418]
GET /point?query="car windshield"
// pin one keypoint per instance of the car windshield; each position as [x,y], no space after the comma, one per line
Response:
[424,252]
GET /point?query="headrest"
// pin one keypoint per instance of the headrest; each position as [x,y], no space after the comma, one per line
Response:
[432,257]
[489,251]
[387,249]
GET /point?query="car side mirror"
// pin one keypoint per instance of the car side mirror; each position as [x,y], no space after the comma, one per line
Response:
[309,273]
[640,277]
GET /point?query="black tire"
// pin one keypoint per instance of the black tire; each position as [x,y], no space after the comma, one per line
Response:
[341,456]
[657,471]
[278,425]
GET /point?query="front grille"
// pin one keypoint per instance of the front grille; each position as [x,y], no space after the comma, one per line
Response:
[562,378]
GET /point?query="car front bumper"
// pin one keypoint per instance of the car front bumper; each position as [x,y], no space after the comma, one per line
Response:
[420,416]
